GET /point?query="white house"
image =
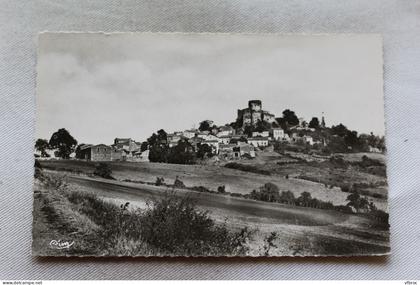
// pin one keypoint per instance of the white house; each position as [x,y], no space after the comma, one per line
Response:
[260,134]
[207,137]
[214,143]
[277,133]
[309,140]
[141,156]
[225,131]
[247,149]
[189,133]
[224,139]
[258,141]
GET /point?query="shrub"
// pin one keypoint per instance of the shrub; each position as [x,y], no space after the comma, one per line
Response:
[269,242]
[378,195]
[247,168]
[304,199]
[37,164]
[103,170]
[345,188]
[37,169]
[287,197]
[200,189]
[358,202]
[159,181]
[380,219]
[269,192]
[178,183]
[344,209]
[173,225]
[221,189]
[237,195]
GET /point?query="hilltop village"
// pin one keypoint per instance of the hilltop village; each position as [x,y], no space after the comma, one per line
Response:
[255,129]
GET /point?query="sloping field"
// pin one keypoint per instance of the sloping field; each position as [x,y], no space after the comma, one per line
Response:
[300,231]
[209,176]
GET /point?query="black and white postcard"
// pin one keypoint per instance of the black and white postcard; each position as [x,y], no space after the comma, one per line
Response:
[173,144]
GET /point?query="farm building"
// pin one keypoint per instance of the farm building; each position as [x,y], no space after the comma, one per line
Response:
[126,144]
[100,152]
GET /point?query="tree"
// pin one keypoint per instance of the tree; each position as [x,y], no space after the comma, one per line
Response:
[263,126]
[158,147]
[351,139]
[357,202]
[182,153]
[314,123]
[336,144]
[304,199]
[248,130]
[204,150]
[221,189]
[42,145]
[339,130]
[204,126]
[78,151]
[144,146]
[290,117]
[269,192]
[287,197]
[63,142]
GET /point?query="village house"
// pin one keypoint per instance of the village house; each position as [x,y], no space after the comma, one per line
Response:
[277,134]
[374,149]
[224,139]
[258,141]
[260,134]
[246,149]
[173,139]
[100,152]
[195,141]
[139,156]
[189,134]
[207,136]
[214,143]
[226,131]
[309,140]
[229,151]
[268,117]
[127,144]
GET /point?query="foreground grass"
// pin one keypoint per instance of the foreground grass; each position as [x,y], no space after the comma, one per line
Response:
[169,226]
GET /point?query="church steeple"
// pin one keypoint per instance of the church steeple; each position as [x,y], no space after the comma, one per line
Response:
[323,121]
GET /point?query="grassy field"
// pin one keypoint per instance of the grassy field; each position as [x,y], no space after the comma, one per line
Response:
[298,230]
[320,183]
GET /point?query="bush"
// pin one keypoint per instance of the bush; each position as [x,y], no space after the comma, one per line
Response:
[178,183]
[103,170]
[171,225]
[344,209]
[159,181]
[269,192]
[247,168]
[287,197]
[37,169]
[221,189]
[380,218]
[200,189]
[174,226]
[345,188]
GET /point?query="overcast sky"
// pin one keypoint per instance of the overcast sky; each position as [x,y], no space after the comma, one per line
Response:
[130,85]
